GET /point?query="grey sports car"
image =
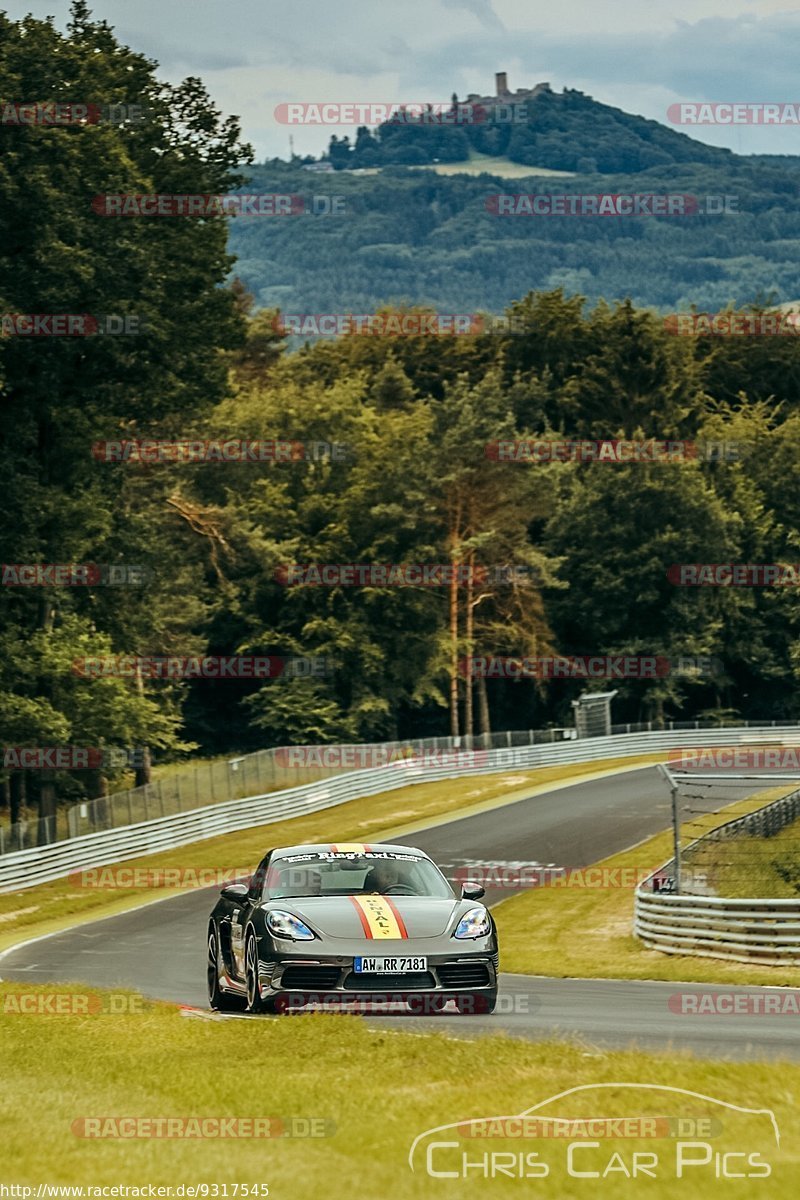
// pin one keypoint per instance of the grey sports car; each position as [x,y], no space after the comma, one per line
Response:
[351,924]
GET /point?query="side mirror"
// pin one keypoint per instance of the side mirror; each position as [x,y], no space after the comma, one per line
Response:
[472,891]
[235,892]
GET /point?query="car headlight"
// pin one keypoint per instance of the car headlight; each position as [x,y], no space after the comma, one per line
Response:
[474,924]
[287,925]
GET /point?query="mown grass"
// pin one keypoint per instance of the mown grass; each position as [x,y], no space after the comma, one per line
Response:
[747,865]
[48,907]
[379,1088]
[586,932]
[480,164]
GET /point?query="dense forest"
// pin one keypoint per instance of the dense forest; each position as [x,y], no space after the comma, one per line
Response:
[211,540]
[409,235]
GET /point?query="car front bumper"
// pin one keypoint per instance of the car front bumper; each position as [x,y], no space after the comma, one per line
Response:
[329,978]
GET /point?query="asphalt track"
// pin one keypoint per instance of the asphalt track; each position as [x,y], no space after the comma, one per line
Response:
[160,949]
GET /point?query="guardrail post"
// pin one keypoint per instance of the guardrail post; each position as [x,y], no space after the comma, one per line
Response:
[676,829]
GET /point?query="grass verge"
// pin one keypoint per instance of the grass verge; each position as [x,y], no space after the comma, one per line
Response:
[378,1089]
[52,906]
[575,931]
[753,866]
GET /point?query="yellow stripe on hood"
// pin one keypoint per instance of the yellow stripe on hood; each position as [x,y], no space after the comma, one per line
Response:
[379,918]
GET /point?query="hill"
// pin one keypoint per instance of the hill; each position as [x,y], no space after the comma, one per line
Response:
[567,131]
[414,236]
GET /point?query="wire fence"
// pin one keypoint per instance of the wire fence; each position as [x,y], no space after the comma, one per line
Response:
[741,857]
[261,772]
[275,769]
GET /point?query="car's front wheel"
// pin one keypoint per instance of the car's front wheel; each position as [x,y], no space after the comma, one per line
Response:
[218,999]
[254,1002]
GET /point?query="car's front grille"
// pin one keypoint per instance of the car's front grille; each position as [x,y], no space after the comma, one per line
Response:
[313,978]
[464,974]
[412,982]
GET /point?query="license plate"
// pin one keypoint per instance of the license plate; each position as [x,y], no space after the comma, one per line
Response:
[389,966]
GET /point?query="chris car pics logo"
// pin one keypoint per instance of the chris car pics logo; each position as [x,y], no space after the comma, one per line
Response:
[606,1131]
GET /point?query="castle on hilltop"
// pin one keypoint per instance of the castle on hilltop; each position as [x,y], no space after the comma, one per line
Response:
[504,96]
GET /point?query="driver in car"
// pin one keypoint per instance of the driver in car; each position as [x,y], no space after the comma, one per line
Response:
[382,877]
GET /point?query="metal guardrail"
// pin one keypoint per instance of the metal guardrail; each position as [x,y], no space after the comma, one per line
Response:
[24,868]
[763,931]
[201,784]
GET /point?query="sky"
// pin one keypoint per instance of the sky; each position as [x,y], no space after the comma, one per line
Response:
[634,54]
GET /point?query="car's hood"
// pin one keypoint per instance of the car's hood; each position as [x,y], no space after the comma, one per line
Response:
[375,917]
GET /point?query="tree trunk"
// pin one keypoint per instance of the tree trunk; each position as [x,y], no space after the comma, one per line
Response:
[97,797]
[143,771]
[483,707]
[16,791]
[469,723]
[16,796]
[658,716]
[454,730]
[46,832]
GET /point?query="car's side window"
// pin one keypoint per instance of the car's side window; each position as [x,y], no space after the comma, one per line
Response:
[256,889]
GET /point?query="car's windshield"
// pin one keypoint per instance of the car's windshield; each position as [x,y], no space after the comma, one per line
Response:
[352,874]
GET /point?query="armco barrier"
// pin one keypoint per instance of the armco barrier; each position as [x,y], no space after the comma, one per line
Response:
[747,930]
[763,931]
[25,868]
[195,785]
